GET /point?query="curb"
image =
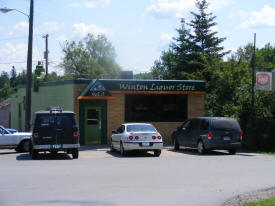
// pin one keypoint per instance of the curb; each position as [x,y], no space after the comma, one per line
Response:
[253,196]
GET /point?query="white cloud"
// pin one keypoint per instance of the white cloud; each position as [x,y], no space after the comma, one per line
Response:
[166,38]
[179,8]
[265,17]
[49,27]
[62,38]
[16,55]
[139,30]
[90,4]
[81,30]
[21,28]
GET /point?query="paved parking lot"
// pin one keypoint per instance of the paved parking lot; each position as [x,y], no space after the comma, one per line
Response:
[100,177]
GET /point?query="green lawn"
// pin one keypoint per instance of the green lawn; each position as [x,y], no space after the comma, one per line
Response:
[269,153]
[267,202]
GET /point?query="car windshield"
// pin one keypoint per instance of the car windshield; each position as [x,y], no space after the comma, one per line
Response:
[141,128]
[226,124]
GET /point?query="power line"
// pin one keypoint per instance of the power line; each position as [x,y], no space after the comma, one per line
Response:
[17,62]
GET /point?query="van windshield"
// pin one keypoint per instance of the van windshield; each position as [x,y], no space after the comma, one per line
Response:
[226,124]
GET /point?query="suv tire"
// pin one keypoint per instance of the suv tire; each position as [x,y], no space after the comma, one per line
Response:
[201,149]
[176,145]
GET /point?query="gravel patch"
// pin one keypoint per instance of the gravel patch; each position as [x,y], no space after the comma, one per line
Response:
[253,196]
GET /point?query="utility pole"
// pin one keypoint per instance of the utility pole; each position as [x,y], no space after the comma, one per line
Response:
[46,56]
[253,74]
[29,72]
[252,136]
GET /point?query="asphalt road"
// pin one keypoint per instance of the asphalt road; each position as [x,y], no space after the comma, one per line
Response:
[102,178]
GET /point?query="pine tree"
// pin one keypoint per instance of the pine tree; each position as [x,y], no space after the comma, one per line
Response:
[13,75]
[204,39]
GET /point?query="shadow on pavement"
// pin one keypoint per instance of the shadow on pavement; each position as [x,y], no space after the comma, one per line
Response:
[94,147]
[208,153]
[131,154]
[45,156]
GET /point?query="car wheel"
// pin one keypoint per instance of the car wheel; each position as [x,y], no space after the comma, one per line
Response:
[122,151]
[75,153]
[25,146]
[157,153]
[112,147]
[201,149]
[176,144]
[18,149]
[232,151]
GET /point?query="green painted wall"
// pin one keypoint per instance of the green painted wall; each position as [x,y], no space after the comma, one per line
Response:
[49,95]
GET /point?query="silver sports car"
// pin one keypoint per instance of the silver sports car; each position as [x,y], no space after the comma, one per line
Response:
[136,136]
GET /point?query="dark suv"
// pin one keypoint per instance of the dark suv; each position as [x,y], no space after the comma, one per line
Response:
[209,133]
[54,130]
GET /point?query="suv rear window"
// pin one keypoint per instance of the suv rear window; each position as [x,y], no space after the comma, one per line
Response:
[225,124]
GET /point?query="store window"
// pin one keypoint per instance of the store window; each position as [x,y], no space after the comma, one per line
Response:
[155,108]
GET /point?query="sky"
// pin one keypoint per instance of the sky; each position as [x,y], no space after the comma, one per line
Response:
[139,30]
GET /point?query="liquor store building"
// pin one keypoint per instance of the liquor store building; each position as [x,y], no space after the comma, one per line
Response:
[101,105]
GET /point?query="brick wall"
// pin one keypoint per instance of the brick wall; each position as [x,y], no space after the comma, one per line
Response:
[195,105]
[115,113]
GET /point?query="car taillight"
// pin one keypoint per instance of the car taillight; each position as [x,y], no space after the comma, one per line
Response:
[154,137]
[210,135]
[35,134]
[75,134]
[159,137]
[131,138]
[241,134]
[136,137]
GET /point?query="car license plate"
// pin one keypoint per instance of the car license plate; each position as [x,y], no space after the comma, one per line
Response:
[56,146]
[145,144]
[226,138]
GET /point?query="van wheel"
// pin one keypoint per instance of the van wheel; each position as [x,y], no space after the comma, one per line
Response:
[75,153]
[157,153]
[176,145]
[201,149]
[122,151]
[33,153]
[232,151]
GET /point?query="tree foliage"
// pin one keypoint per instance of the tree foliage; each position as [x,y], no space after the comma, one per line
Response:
[196,48]
[89,58]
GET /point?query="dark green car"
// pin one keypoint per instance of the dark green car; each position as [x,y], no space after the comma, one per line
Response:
[209,133]
[54,130]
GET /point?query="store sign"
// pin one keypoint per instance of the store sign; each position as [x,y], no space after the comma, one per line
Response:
[98,90]
[136,85]
[264,81]
[156,87]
